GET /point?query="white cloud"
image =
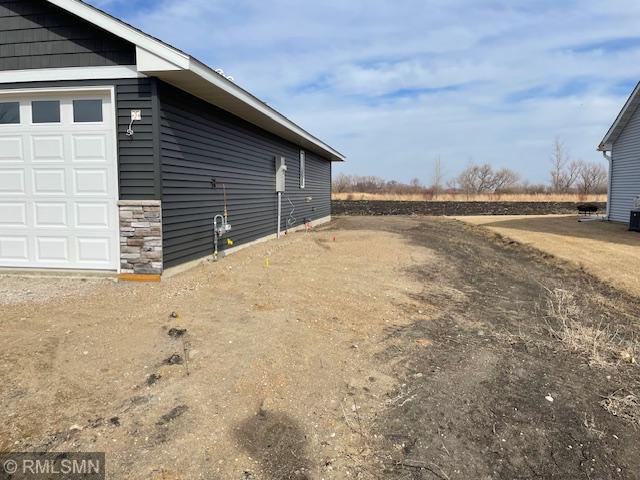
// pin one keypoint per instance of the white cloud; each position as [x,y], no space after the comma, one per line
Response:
[392,84]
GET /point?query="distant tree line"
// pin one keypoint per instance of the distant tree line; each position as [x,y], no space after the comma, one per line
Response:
[567,175]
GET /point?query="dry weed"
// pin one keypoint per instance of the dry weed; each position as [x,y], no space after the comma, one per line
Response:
[623,404]
[461,197]
[590,426]
[602,344]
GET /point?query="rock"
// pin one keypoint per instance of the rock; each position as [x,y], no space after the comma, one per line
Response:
[177,332]
[549,398]
[266,406]
[152,379]
[75,428]
[174,359]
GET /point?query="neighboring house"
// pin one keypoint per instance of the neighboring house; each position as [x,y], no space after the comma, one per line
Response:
[78,191]
[623,142]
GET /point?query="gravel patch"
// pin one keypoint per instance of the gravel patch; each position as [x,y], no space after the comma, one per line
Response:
[15,289]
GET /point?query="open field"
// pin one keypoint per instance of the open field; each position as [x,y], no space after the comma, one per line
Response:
[606,249]
[448,353]
[460,197]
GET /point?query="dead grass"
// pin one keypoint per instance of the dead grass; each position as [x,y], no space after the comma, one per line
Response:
[607,250]
[459,197]
[600,343]
[623,404]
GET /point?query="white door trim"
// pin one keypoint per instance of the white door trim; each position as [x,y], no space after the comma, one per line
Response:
[103,89]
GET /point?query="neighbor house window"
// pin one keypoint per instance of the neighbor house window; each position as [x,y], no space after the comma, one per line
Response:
[85,111]
[302,169]
[9,113]
[45,111]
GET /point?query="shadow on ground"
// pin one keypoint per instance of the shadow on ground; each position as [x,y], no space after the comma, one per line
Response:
[278,443]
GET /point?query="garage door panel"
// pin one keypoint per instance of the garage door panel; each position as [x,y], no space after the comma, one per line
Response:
[13,214]
[59,187]
[91,181]
[14,249]
[47,181]
[52,249]
[12,181]
[48,148]
[92,215]
[89,148]
[11,149]
[48,214]
[93,250]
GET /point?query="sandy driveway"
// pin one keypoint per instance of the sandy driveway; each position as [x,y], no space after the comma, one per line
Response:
[375,348]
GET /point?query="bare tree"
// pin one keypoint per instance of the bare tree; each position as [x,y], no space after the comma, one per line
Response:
[415,185]
[564,171]
[341,183]
[592,178]
[504,179]
[559,159]
[437,178]
[483,179]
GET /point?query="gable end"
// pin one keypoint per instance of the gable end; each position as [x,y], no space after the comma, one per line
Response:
[35,34]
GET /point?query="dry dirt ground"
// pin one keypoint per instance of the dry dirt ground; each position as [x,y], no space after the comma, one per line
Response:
[605,249]
[375,348]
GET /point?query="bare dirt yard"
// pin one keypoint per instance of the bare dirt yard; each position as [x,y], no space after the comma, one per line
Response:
[374,348]
[608,250]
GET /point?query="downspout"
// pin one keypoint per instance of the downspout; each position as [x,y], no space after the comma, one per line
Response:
[609,160]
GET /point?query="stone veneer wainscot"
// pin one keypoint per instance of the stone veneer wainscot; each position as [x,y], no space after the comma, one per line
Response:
[140,236]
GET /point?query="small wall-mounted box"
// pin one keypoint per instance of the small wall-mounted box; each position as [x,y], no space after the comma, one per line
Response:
[136,115]
[281,169]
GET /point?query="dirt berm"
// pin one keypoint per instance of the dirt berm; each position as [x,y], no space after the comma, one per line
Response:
[365,207]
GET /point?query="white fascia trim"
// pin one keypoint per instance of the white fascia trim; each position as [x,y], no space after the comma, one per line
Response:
[122,30]
[59,90]
[216,79]
[606,143]
[150,62]
[70,73]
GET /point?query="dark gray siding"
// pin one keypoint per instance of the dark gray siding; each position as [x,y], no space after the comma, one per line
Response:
[625,172]
[201,143]
[36,34]
[137,164]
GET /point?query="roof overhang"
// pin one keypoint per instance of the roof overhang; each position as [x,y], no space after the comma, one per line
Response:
[621,120]
[158,59]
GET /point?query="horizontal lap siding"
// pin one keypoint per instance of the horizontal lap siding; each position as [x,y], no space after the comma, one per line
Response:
[139,177]
[36,34]
[200,142]
[136,166]
[625,173]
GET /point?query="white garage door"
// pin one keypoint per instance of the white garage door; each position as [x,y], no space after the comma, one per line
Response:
[58,181]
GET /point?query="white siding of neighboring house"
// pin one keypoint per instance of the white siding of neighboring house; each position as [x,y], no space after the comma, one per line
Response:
[625,170]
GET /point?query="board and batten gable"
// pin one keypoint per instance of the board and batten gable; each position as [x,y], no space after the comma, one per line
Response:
[625,170]
[35,34]
[203,148]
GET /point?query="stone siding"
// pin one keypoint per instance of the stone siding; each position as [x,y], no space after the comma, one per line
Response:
[140,236]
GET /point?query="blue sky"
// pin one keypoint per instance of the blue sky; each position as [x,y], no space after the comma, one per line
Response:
[395,84]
